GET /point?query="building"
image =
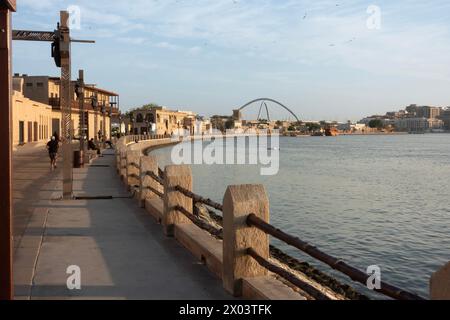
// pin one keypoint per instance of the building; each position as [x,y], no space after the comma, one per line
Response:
[445,117]
[159,120]
[418,124]
[427,112]
[37,110]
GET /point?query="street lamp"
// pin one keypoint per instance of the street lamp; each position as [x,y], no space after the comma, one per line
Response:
[104,124]
[94,104]
[79,91]
[110,121]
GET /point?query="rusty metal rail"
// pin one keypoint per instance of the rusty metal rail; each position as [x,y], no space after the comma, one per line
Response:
[199,199]
[335,263]
[157,192]
[154,177]
[309,289]
[201,224]
[161,173]
[195,197]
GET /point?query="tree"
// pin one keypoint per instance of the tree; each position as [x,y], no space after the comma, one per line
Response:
[229,124]
[313,126]
[376,124]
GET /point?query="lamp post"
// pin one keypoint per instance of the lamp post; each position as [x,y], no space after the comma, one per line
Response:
[94,104]
[103,110]
[79,90]
[110,121]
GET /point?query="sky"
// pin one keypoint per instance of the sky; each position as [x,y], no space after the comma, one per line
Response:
[325,60]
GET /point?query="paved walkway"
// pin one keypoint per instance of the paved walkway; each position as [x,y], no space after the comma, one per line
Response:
[121,251]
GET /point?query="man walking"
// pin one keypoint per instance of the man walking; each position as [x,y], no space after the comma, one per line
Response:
[52,147]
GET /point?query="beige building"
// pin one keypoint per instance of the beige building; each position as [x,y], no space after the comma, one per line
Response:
[418,124]
[159,120]
[37,110]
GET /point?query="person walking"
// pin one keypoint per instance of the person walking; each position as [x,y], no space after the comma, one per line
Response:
[52,147]
[56,135]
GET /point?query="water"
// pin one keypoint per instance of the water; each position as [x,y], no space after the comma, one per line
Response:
[370,200]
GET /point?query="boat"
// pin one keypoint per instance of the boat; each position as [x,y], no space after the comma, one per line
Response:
[331,132]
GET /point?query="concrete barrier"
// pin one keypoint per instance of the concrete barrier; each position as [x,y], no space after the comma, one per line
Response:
[132,169]
[241,275]
[148,164]
[440,284]
[176,176]
[239,202]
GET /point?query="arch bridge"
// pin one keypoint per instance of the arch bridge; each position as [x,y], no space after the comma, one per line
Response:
[264,105]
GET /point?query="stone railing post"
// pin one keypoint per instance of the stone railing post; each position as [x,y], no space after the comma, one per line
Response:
[148,164]
[238,203]
[118,160]
[173,176]
[132,177]
[123,165]
[440,284]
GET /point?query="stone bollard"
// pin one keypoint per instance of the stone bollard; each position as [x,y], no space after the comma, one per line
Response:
[123,165]
[148,164]
[173,176]
[132,177]
[440,284]
[238,203]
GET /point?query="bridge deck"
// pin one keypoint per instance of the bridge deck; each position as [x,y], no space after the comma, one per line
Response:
[121,251]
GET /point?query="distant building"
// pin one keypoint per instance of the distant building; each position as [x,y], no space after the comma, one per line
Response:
[159,120]
[445,117]
[418,124]
[427,112]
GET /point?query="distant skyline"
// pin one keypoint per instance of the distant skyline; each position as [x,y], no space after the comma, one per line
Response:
[319,57]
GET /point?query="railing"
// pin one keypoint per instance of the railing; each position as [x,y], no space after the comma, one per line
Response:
[253,220]
[245,217]
[335,263]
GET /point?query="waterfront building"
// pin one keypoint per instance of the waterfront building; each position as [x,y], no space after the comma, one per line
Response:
[427,112]
[160,120]
[418,124]
[445,117]
[37,109]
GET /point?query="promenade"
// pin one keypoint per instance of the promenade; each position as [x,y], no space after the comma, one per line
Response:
[121,251]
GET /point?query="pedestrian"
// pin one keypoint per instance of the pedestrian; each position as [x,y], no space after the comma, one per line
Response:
[53,147]
[56,135]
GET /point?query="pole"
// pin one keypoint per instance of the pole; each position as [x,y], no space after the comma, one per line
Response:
[104,125]
[96,121]
[66,108]
[6,278]
[81,107]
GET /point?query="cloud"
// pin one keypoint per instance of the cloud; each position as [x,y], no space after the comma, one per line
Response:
[318,43]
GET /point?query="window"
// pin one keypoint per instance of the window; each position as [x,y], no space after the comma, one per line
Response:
[29,84]
[40,84]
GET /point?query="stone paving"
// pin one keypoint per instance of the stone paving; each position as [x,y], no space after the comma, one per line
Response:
[120,250]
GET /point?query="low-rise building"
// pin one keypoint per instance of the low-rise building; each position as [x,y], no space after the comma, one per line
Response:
[37,110]
[418,124]
[159,120]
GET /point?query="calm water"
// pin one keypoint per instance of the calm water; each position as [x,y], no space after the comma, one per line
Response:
[370,200]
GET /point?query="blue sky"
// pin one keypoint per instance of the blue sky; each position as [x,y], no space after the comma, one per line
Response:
[210,56]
